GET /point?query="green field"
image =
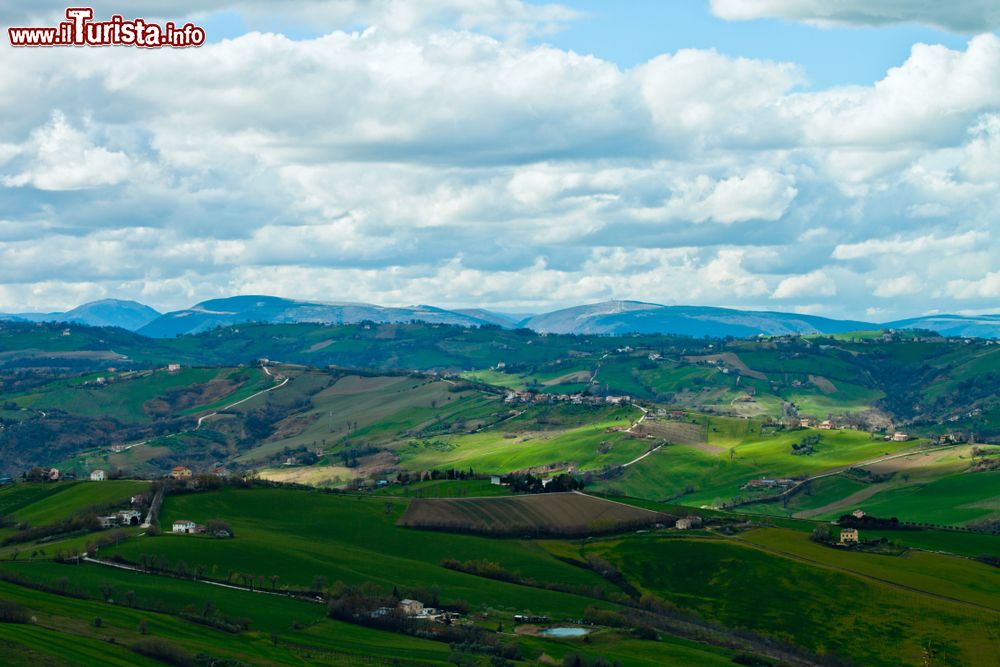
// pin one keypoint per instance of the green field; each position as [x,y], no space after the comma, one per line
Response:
[123,397]
[701,475]
[372,419]
[950,500]
[65,631]
[38,504]
[298,535]
[822,607]
[816,596]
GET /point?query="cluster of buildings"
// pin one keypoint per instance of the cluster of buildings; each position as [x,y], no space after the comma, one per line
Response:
[415,609]
[767,483]
[182,472]
[123,518]
[575,399]
[827,425]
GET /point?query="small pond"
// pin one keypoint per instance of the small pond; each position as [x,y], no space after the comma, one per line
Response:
[564,632]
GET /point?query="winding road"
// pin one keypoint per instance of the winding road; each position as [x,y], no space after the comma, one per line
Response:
[201,420]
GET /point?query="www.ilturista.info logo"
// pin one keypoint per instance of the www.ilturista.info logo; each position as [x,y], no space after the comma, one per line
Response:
[81,30]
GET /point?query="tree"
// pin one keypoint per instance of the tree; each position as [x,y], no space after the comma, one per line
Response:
[220,528]
[274,582]
[821,533]
[106,590]
[143,626]
[130,598]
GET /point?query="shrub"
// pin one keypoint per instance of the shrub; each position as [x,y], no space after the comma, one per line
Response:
[12,612]
[751,660]
[164,651]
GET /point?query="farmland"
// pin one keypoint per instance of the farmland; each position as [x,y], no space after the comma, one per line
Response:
[289,540]
[369,482]
[544,514]
[812,599]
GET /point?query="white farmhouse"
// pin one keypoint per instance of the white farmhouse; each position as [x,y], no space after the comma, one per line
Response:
[184,526]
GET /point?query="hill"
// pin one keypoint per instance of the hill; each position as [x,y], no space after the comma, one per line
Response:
[619,317]
[240,309]
[974,326]
[607,318]
[129,315]
[302,572]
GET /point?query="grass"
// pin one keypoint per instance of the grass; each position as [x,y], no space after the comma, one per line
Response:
[122,398]
[699,477]
[631,652]
[43,503]
[446,488]
[369,410]
[944,541]
[586,441]
[65,630]
[937,574]
[821,608]
[298,535]
[819,494]
[34,646]
[950,500]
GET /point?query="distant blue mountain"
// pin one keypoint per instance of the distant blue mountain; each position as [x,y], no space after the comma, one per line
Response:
[972,326]
[609,317]
[618,317]
[235,310]
[129,315]
[504,320]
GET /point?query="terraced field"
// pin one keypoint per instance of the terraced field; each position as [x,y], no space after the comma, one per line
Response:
[543,514]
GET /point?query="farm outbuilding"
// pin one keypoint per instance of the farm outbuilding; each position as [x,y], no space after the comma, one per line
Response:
[184,526]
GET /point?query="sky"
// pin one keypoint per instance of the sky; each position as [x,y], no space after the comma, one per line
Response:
[832,158]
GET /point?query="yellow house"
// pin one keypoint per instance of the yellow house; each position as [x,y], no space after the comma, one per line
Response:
[180,472]
[849,536]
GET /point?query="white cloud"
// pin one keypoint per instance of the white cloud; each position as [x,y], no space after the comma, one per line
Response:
[981,160]
[899,286]
[812,284]
[920,245]
[60,157]
[929,100]
[451,167]
[757,195]
[956,15]
[987,287]
[703,97]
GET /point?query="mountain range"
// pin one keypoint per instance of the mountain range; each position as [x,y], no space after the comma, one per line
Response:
[609,317]
[130,315]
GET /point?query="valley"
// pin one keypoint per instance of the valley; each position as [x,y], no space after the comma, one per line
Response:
[643,489]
